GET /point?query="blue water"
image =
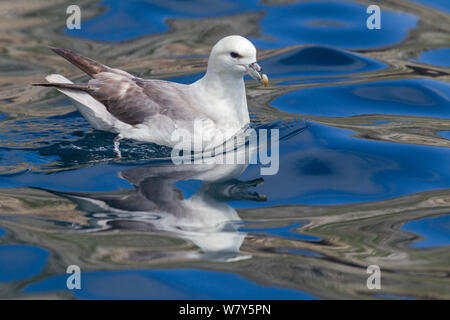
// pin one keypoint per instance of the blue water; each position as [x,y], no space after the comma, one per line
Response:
[23,261]
[445,134]
[418,97]
[319,75]
[189,187]
[103,179]
[318,61]
[438,57]
[436,231]
[336,23]
[326,165]
[167,284]
[124,20]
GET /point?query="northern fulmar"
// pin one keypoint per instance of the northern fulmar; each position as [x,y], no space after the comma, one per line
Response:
[212,109]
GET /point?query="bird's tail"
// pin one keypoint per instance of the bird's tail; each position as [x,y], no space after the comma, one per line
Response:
[89,66]
[94,111]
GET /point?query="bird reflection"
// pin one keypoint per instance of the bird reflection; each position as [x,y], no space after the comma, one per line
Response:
[157,204]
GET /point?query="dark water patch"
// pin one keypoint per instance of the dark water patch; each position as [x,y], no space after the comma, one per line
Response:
[436,231]
[288,232]
[318,61]
[418,97]
[426,71]
[166,284]
[98,146]
[21,261]
[326,165]
[438,57]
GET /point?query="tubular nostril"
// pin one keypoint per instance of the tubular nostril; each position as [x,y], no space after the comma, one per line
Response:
[256,67]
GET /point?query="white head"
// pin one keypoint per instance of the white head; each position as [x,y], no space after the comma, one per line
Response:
[234,56]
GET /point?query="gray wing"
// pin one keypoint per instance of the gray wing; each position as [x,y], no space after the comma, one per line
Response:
[133,100]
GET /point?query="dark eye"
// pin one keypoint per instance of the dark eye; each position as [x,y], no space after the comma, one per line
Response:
[235,55]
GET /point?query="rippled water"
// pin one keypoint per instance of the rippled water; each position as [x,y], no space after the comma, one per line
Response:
[364,156]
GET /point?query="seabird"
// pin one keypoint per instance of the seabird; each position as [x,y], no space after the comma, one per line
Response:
[151,110]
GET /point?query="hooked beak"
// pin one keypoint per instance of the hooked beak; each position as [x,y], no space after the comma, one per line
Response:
[255,71]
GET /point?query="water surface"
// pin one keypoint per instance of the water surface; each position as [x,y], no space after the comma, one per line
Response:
[363,173]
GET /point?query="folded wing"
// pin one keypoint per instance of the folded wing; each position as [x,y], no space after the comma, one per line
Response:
[130,99]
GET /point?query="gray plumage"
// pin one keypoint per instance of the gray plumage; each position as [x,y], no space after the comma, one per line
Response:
[130,99]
